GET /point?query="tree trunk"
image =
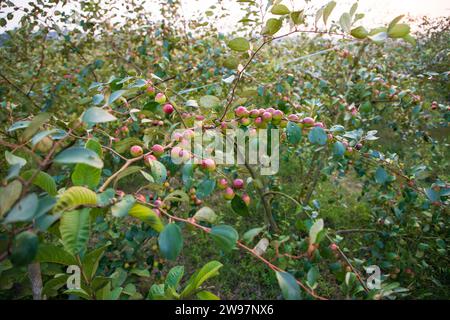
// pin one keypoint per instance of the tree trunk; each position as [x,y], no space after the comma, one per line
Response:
[34,274]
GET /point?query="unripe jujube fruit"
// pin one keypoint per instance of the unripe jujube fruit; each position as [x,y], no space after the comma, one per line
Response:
[160,98]
[222,184]
[229,194]
[209,164]
[158,149]
[136,151]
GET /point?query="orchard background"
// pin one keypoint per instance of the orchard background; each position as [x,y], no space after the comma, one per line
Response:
[88,103]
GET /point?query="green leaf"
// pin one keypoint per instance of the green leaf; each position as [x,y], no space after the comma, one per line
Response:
[399,31]
[97,115]
[187,174]
[54,254]
[24,210]
[9,195]
[74,229]
[289,286]
[43,180]
[239,44]
[209,101]
[174,277]
[170,241]
[239,206]
[19,125]
[177,196]
[205,188]
[12,159]
[91,260]
[279,9]
[205,214]
[338,149]
[52,286]
[346,22]
[293,132]
[74,197]
[78,292]
[34,126]
[158,171]
[24,248]
[318,136]
[156,292]
[312,276]
[378,37]
[97,99]
[41,135]
[209,270]
[206,295]
[395,21]
[359,33]
[251,234]
[225,237]
[115,95]
[121,208]
[353,9]
[432,195]
[381,176]
[314,231]
[272,26]
[297,17]
[140,272]
[79,155]
[86,175]
[327,10]
[147,215]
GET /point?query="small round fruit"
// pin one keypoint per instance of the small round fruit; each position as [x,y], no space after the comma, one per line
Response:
[333,246]
[150,90]
[241,112]
[246,199]
[245,122]
[238,183]
[277,115]
[158,203]
[293,118]
[308,121]
[254,113]
[175,153]
[157,149]
[229,194]
[222,184]
[160,98]
[267,116]
[209,164]
[136,151]
[358,146]
[319,124]
[168,108]
[148,159]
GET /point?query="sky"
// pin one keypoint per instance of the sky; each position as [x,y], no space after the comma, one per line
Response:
[377,11]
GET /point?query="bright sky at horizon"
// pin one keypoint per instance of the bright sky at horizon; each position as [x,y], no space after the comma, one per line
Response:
[376,11]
